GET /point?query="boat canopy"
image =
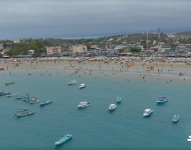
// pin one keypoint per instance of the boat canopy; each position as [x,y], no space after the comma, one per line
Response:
[112,105]
[83,103]
[162,97]
[147,110]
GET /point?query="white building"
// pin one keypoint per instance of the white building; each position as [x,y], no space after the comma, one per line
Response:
[17,41]
[53,50]
[30,52]
[1,46]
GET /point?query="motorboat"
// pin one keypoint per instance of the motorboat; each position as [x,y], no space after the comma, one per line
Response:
[25,114]
[72,82]
[4,93]
[45,103]
[63,140]
[83,104]
[82,86]
[147,112]
[25,109]
[162,100]
[11,95]
[118,99]
[175,118]
[34,101]
[112,106]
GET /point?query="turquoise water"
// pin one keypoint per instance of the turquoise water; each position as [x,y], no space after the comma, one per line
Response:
[95,127]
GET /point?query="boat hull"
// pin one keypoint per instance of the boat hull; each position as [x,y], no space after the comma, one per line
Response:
[9,83]
[26,114]
[82,87]
[63,141]
[146,115]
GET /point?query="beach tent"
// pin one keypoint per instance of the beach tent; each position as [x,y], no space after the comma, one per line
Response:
[2,68]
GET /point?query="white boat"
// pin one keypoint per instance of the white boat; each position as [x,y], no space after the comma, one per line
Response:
[112,106]
[118,99]
[162,100]
[175,118]
[147,112]
[83,104]
[72,82]
[11,95]
[82,86]
[63,140]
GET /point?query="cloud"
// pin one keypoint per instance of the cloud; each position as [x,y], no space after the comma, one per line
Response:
[46,18]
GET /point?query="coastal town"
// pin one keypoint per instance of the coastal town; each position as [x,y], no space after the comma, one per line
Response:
[140,45]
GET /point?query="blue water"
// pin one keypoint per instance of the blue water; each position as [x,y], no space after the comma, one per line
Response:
[95,127]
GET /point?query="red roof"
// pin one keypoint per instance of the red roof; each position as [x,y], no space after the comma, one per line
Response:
[55,47]
[94,46]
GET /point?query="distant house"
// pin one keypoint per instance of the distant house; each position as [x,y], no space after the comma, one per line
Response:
[17,41]
[149,51]
[30,52]
[53,50]
[94,46]
[1,46]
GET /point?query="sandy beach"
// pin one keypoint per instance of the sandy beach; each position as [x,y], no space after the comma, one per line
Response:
[167,70]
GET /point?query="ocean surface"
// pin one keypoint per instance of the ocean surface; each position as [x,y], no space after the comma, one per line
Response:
[95,127]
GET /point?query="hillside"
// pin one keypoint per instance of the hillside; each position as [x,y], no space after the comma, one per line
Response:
[187,33]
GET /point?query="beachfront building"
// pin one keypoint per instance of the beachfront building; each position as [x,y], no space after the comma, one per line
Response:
[53,50]
[180,48]
[1,46]
[165,48]
[79,49]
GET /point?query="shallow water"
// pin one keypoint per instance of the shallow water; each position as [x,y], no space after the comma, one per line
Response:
[95,127]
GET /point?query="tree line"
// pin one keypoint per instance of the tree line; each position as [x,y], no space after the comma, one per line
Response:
[22,48]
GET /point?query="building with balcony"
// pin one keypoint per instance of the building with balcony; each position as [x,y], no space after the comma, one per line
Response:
[53,50]
[79,49]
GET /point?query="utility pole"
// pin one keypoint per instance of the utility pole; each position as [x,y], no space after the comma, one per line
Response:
[147,38]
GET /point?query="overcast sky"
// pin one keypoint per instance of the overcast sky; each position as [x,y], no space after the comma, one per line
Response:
[90,18]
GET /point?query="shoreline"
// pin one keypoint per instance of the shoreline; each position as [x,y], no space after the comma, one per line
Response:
[168,71]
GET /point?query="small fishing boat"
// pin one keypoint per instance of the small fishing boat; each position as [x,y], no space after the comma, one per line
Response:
[83,104]
[72,82]
[147,112]
[175,118]
[4,93]
[25,109]
[118,99]
[45,103]
[11,95]
[25,114]
[112,106]
[10,83]
[63,140]
[162,100]
[82,86]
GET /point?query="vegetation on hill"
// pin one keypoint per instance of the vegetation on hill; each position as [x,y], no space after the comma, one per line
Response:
[22,48]
[188,33]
